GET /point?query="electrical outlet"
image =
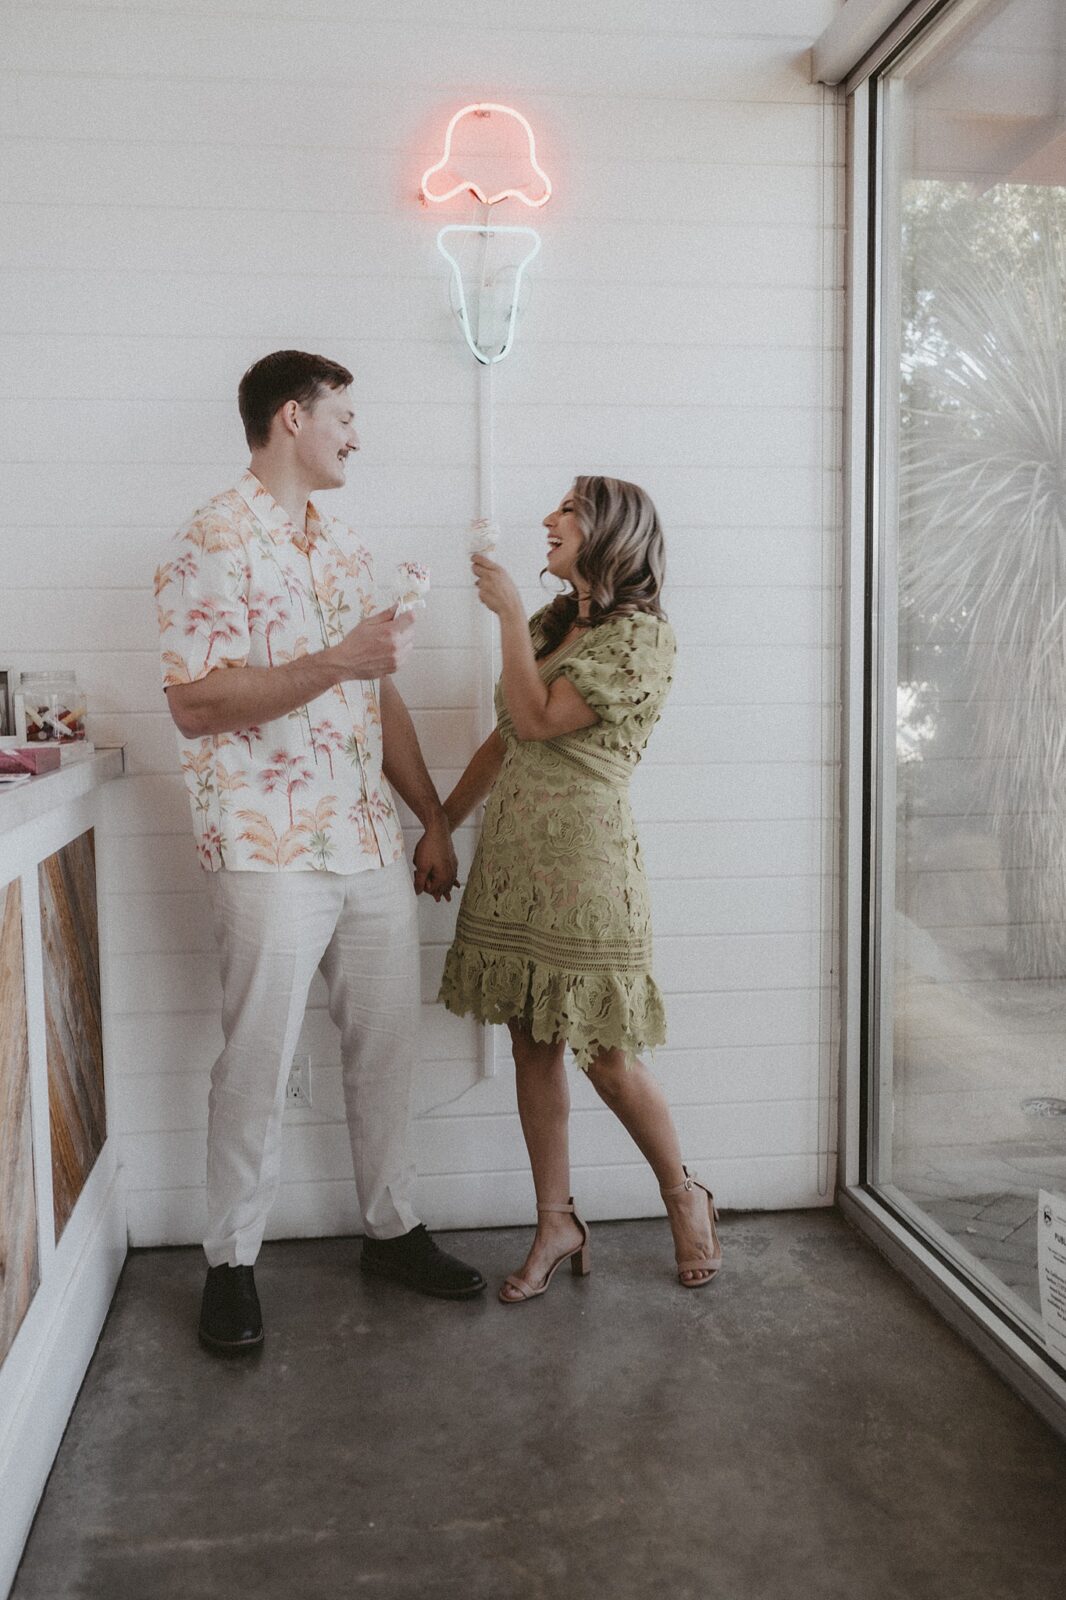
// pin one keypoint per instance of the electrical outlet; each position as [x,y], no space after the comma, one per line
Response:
[298,1088]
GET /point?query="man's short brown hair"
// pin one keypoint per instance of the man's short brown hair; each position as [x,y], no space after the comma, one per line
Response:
[285,375]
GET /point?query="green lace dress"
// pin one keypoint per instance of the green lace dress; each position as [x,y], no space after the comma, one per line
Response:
[555,925]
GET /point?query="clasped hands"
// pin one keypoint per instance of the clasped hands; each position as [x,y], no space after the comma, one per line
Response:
[435,863]
[436,867]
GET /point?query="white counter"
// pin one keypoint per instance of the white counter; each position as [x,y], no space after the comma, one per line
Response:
[63,1228]
[25,802]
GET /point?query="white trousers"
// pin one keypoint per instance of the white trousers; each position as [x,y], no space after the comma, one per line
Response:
[273,930]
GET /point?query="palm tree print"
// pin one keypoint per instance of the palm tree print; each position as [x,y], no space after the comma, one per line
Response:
[177,668]
[364,814]
[228,782]
[199,769]
[334,606]
[288,773]
[324,736]
[299,648]
[213,532]
[353,565]
[276,850]
[266,614]
[360,815]
[246,736]
[294,588]
[211,845]
[316,824]
[185,567]
[215,620]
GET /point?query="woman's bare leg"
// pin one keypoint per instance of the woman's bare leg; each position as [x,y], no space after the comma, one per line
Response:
[544,1111]
[640,1105]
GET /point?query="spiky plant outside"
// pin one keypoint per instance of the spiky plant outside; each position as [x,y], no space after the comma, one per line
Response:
[983,515]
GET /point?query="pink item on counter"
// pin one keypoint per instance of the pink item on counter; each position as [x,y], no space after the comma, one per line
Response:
[33,758]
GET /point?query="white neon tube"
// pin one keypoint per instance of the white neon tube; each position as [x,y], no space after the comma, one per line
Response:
[457,279]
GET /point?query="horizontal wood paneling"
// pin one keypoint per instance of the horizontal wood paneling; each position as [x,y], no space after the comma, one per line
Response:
[456,1145]
[689,966]
[443,435]
[154,863]
[464,1200]
[694,18]
[321,305]
[190,369]
[729,615]
[118,557]
[177,1101]
[732,680]
[51,172]
[597,123]
[161,227]
[161,238]
[176,922]
[315,51]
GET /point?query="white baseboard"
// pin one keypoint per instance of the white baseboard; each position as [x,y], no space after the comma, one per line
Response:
[47,1362]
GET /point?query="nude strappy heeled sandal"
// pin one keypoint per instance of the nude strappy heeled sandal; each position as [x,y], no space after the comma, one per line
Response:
[711,1264]
[578,1258]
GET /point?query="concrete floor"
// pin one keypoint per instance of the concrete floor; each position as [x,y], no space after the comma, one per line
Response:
[805,1427]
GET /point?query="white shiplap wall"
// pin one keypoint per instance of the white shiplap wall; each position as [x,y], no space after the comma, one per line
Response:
[190,183]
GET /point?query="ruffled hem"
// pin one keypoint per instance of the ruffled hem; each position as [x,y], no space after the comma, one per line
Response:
[591,1011]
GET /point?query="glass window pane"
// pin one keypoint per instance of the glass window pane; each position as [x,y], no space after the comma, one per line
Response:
[972,1107]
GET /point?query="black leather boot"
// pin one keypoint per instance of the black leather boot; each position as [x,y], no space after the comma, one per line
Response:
[230,1319]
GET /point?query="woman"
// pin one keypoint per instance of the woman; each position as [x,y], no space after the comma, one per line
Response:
[553,936]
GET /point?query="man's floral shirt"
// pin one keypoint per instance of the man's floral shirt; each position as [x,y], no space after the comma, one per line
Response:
[242,586]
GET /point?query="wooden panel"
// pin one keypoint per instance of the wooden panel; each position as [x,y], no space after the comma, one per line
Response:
[71,950]
[19,1264]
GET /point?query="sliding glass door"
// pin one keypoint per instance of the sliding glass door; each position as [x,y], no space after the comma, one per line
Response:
[965,1107]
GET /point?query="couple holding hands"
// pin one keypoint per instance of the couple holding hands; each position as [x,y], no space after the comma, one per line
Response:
[293,735]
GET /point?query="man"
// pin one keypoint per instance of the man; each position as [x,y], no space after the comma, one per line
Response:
[278,666]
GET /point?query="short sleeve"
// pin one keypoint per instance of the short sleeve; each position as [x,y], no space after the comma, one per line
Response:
[625,668]
[201,606]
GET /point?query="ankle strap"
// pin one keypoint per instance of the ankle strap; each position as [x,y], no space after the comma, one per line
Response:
[679,1188]
[568,1207]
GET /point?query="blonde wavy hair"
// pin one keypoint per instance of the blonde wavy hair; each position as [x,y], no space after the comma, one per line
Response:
[622,558]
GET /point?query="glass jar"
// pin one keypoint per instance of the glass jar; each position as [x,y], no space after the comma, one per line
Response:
[55,707]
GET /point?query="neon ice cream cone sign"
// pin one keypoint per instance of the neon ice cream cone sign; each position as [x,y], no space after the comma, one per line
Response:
[488,260]
[535,192]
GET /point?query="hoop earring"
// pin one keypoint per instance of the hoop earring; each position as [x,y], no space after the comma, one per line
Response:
[567,588]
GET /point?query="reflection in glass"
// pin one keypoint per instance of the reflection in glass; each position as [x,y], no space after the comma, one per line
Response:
[974,1102]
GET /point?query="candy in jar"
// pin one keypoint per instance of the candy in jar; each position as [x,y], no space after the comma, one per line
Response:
[55,707]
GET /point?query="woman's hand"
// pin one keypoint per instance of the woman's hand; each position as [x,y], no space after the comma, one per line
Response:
[436,869]
[496,588]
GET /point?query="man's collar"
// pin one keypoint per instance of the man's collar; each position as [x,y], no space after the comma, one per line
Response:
[275,519]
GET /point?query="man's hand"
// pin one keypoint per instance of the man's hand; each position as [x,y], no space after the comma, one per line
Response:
[436,867]
[376,647]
